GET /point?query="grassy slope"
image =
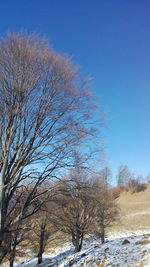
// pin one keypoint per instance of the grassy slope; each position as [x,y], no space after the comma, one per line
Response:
[134,210]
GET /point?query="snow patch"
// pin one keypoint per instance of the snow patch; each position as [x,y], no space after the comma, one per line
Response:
[113,253]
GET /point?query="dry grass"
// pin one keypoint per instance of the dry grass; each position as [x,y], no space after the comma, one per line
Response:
[132,203]
[134,210]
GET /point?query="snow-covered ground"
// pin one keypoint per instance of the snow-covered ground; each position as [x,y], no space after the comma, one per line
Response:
[135,252]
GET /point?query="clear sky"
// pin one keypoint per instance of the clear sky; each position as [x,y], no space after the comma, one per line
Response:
[110,40]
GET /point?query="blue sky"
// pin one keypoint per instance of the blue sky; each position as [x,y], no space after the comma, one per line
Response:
[110,40]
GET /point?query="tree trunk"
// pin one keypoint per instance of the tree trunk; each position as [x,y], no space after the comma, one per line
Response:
[40,257]
[41,245]
[3,253]
[102,238]
[102,234]
[77,242]
[77,247]
[11,260]
[3,210]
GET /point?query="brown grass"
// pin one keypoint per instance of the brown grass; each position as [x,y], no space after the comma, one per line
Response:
[134,210]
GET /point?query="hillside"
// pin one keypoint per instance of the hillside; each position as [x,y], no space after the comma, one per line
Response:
[134,210]
[127,243]
[122,249]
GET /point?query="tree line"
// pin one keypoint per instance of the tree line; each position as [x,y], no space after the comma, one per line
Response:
[78,205]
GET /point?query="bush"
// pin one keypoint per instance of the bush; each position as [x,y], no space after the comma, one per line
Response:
[136,186]
[116,191]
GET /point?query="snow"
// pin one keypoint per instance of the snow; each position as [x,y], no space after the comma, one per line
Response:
[112,253]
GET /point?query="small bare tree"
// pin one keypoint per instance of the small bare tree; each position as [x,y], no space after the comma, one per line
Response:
[36,229]
[124,175]
[42,227]
[12,245]
[106,210]
[75,208]
[105,175]
[15,237]
[39,234]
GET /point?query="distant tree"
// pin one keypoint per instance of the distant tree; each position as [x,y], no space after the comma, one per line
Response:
[105,175]
[147,178]
[135,185]
[45,112]
[124,175]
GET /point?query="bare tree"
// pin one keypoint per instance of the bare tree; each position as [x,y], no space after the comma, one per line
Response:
[147,178]
[75,208]
[106,210]
[12,245]
[40,232]
[14,238]
[124,175]
[43,238]
[105,175]
[42,227]
[44,113]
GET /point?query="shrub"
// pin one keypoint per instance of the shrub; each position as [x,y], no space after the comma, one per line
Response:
[116,191]
[136,186]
